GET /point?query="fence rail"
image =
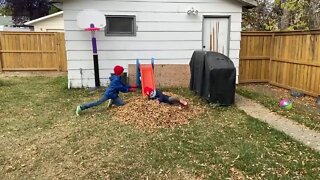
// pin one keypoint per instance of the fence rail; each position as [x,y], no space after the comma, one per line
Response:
[32,51]
[285,59]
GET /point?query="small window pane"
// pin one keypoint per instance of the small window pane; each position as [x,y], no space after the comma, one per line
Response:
[120,25]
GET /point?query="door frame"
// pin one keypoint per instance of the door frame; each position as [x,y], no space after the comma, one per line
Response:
[229,27]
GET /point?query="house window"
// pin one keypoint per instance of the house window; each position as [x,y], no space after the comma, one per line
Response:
[120,26]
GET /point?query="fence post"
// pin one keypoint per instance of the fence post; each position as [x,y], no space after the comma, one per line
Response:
[57,39]
[270,57]
[0,56]
[62,52]
[0,62]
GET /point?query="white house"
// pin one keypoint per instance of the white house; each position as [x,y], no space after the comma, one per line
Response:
[167,30]
[51,23]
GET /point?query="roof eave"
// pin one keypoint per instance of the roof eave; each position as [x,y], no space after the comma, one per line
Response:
[249,3]
[43,18]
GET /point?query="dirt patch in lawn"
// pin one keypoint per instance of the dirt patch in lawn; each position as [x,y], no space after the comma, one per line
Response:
[150,115]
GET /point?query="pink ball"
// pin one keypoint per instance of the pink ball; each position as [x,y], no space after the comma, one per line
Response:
[285,103]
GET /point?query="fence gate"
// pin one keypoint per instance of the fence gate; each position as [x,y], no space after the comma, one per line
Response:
[32,51]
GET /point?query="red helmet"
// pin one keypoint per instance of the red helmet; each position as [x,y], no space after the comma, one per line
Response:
[147,90]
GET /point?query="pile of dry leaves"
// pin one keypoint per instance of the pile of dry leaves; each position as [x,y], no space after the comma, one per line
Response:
[149,114]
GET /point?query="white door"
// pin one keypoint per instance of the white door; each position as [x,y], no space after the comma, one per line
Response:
[216,35]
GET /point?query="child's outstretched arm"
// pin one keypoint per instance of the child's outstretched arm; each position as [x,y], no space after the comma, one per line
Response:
[127,88]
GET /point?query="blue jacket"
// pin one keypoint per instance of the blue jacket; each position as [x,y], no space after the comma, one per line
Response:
[116,85]
[161,97]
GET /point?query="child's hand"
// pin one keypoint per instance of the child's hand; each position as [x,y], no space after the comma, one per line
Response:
[183,102]
[133,86]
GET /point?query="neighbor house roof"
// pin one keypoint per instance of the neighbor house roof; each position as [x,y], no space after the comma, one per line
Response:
[247,3]
[44,18]
[6,20]
[56,3]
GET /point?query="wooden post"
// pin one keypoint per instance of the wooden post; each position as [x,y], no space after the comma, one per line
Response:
[62,53]
[271,56]
[0,62]
[58,53]
[1,54]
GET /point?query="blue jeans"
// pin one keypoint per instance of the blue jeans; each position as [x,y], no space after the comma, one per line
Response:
[117,101]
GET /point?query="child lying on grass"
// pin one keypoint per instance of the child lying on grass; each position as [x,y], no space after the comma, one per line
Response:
[156,94]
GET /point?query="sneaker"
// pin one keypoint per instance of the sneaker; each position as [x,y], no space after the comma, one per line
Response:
[78,110]
[109,103]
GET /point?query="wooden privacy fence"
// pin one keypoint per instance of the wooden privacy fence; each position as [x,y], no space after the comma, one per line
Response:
[32,51]
[285,59]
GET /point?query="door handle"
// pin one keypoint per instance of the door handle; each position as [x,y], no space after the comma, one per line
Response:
[203,46]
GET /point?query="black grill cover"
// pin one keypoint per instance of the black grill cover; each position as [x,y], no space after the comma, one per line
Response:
[213,77]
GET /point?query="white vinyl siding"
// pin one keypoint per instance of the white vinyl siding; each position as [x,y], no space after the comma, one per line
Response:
[164,32]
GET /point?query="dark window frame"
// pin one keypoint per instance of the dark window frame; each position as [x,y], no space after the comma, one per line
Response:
[133,23]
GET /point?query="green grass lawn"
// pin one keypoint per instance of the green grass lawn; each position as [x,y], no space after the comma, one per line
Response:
[41,138]
[310,117]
